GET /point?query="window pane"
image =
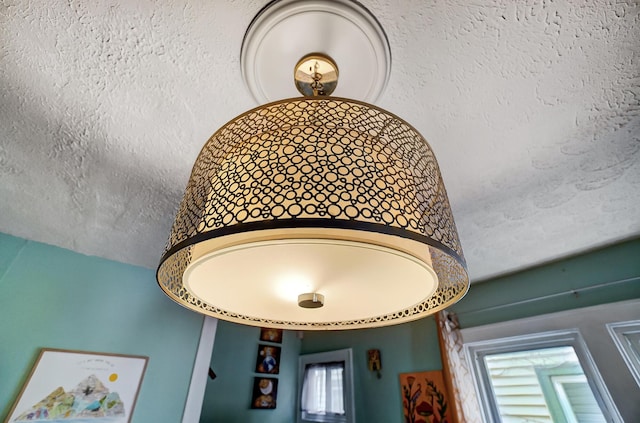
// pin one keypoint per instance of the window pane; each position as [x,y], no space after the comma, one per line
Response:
[323,391]
[626,336]
[313,390]
[633,339]
[335,404]
[542,385]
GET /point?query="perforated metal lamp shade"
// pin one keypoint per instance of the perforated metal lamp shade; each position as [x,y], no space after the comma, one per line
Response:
[315,195]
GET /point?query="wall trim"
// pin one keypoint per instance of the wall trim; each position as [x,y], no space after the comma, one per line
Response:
[195,396]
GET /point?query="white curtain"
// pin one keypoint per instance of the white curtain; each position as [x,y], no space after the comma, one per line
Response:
[458,377]
[323,389]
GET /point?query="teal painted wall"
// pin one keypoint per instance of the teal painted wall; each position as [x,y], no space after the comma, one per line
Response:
[404,348]
[228,397]
[414,346]
[603,276]
[55,298]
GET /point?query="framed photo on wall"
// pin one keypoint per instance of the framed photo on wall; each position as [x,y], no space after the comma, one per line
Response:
[265,393]
[268,359]
[80,386]
[271,335]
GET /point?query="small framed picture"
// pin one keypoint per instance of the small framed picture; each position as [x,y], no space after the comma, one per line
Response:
[80,386]
[268,359]
[271,335]
[373,360]
[265,393]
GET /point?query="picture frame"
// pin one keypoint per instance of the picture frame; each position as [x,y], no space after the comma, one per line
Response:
[424,397]
[73,385]
[271,335]
[374,362]
[268,359]
[265,393]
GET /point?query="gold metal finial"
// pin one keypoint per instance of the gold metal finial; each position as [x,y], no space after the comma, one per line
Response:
[315,75]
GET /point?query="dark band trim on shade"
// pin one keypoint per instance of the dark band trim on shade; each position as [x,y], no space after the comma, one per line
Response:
[311,223]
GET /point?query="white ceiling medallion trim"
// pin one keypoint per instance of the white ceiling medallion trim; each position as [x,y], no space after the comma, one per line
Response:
[286,30]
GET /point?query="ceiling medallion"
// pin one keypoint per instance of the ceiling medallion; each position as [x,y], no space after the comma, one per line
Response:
[314,212]
[287,30]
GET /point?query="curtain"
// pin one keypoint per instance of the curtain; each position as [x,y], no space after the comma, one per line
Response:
[458,378]
[323,389]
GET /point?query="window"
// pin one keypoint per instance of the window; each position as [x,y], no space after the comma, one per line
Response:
[546,377]
[626,336]
[325,391]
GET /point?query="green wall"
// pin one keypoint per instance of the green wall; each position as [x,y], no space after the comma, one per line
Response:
[404,348]
[602,276]
[55,298]
[228,397]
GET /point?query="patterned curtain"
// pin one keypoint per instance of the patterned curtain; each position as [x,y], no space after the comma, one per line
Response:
[457,374]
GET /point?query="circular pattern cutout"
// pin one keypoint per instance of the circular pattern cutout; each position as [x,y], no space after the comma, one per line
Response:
[323,163]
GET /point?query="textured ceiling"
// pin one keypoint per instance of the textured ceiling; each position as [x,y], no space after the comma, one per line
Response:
[532,108]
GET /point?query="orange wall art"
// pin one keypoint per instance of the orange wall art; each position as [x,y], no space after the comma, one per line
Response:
[424,397]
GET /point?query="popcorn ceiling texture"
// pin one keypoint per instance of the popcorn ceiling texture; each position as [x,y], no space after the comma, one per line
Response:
[532,108]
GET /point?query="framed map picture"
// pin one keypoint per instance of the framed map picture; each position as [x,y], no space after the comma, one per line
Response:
[80,386]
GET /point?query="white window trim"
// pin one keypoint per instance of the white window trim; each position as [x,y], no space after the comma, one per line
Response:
[198,384]
[475,352]
[618,332]
[563,399]
[328,357]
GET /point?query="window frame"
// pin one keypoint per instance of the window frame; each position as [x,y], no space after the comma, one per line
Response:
[557,400]
[618,332]
[345,355]
[476,351]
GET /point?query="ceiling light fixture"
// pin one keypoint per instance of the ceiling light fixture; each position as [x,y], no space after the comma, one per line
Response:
[315,212]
